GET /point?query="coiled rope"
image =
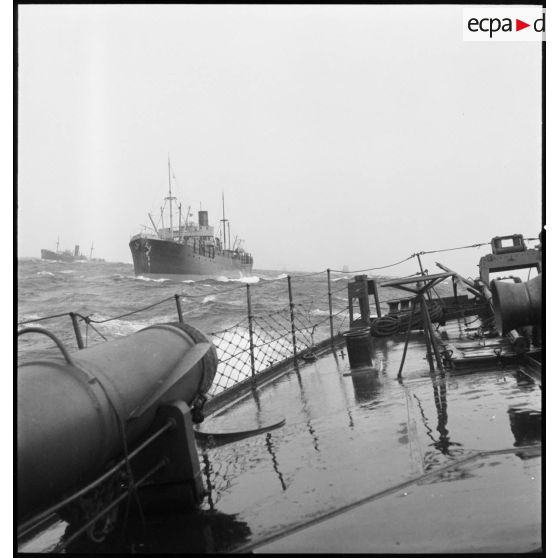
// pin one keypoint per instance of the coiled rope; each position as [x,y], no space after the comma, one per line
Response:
[392,324]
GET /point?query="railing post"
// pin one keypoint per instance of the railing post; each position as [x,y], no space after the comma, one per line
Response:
[363,301]
[330,305]
[291,306]
[251,332]
[77,331]
[376,298]
[179,308]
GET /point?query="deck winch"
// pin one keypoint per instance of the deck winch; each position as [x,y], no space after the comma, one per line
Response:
[517,304]
[79,413]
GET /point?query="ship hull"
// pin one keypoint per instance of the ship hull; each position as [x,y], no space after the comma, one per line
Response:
[59,257]
[153,256]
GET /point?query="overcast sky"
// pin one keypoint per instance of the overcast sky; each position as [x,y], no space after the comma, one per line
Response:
[340,135]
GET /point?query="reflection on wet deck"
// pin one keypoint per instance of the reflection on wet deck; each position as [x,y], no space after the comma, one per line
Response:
[349,434]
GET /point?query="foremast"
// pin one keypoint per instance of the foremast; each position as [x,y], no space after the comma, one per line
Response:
[170,197]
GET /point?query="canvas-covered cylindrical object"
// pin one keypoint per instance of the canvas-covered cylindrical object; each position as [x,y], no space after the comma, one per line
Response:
[71,413]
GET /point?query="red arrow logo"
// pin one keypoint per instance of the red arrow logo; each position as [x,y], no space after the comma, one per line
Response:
[519,25]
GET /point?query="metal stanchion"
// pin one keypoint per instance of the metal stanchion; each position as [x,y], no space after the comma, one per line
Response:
[251,333]
[291,305]
[179,308]
[77,330]
[330,304]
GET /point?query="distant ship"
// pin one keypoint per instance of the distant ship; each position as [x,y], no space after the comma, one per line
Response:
[68,255]
[188,248]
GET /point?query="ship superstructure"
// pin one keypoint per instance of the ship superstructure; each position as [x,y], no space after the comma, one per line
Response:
[188,248]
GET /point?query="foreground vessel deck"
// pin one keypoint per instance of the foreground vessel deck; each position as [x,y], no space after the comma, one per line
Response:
[435,462]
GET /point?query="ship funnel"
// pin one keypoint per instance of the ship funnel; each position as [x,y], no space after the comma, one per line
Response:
[76,250]
[202,219]
[516,304]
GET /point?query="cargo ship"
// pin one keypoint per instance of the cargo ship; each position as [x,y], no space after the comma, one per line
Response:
[68,255]
[62,255]
[188,248]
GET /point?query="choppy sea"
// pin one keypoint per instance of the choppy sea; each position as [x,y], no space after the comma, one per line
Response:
[116,302]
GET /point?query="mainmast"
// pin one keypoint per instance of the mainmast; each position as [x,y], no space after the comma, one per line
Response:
[224,221]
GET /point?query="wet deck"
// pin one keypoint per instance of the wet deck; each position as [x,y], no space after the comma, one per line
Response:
[366,463]
[347,470]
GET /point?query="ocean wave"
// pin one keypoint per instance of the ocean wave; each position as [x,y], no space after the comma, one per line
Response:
[209,298]
[318,312]
[253,279]
[119,327]
[249,279]
[67,271]
[152,280]
[45,273]
[29,318]
[280,276]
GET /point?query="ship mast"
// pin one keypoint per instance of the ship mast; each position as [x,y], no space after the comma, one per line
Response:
[180,219]
[170,198]
[224,221]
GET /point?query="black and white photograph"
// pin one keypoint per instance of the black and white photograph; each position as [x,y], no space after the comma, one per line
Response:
[280,278]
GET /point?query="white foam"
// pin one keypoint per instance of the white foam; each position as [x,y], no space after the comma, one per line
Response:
[249,279]
[253,279]
[280,276]
[209,298]
[45,273]
[318,312]
[160,280]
